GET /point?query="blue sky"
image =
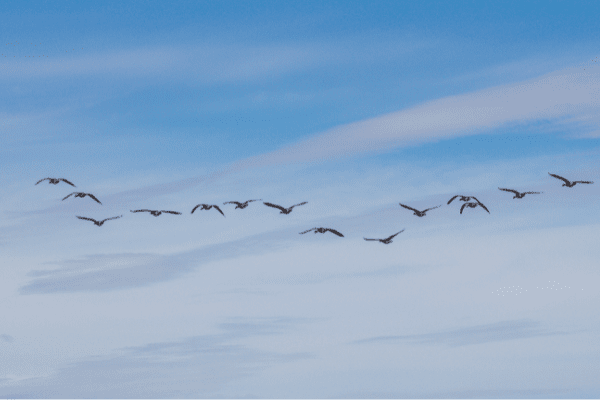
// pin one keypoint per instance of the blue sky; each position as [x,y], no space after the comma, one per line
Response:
[354,107]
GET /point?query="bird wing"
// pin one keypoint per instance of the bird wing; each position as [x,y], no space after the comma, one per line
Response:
[219,210]
[274,206]
[410,208]
[194,209]
[87,219]
[69,195]
[93,197]
[107,219]
[559,177]
[233,202]
[171,212]
[144,210]
[41,180]
[334,231]
[302,233]
[250,201]
[370,239]
[432,208]
[64,180]
[484,207]
[394,235]
[450,201]
[583,182]
[299,204]
[463,207]
[532,192]
[509,190]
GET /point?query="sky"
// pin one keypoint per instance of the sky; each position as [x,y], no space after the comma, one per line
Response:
[352,107]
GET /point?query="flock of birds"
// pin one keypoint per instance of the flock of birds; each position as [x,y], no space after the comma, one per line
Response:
[468,202]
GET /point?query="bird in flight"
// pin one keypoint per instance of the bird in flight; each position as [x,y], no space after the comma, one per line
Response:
[463,198]
[387,240]
[473,205]
[55,181]
[284,210]
[567,182]
[323,230]
[81,194]
[156,213]
[518,195]
[98,223]
[208,207]
[241,205]
[417,212]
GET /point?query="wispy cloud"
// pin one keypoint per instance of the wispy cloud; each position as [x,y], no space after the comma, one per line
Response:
[501,331]
[6,338]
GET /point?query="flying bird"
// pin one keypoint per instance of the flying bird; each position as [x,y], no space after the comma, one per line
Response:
[417,212]
[241,205]
[518,195]
[323,230]
[463,198]
[473,205]
[98,223]
[387,240]
[208,207]
[55,181]
[284,210]
[81,194]
[156,213]
[567,182]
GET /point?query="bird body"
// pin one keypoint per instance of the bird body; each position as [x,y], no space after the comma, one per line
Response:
[156,213]
[55,181]
[241,205]
[81,194]
[98,223]
[568,183]
[518,195]
[284,210]
[417,212]
[208,207]
[387,240]
[323,230]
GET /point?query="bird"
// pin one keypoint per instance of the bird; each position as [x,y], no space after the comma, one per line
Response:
[386,240]
[463,198]
[241,205]
[55,181]
[323,230]
[81,194]
[567,182]
[417,212]
[208,207]
[156,213]
[519,195]
[284,210]
[473,205]
[98,223]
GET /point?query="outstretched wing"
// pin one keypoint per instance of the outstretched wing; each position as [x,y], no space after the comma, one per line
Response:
[463,207]
[532,192]
[583,182]
[194,209]
[394,235]
[41,180]
[450,201]
[302,233]
[67,195]
[171,212]
[410,208]
[250,201]
[432,208]
[334,231]
[370,239]
[93,197]
[560,177]
[108,219]
[87,219]
[66,181]
[509,190]
[219,210]
[299,204]
[144,210]
[484,207]
[274,206]
[233,202]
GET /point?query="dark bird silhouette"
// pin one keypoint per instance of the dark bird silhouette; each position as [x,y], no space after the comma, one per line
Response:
[518,195]
[241,205]
[284,210]
[386,240]
[81,194]
[567,182]
[98,223]
[156,213]
[323,230]
[417,212]
[463,198]
[208,207]
[55,181]
[473,205]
